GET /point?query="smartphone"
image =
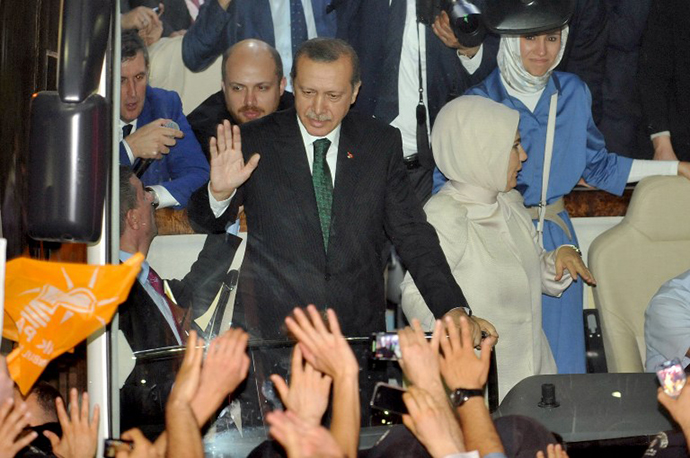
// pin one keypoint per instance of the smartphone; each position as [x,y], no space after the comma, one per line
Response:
[385,345]
[112,446]
[388,398]
[671,377]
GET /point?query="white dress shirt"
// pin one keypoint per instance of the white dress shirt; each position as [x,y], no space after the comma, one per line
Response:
[280,13]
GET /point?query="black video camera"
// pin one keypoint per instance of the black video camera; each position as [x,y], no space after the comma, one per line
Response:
[465,18]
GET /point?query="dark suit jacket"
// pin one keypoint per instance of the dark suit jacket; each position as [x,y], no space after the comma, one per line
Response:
[206,117]
[143,396]
[664,73]
[286,265]
[185,168]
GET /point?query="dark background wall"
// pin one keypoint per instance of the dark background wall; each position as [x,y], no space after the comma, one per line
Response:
[28,63]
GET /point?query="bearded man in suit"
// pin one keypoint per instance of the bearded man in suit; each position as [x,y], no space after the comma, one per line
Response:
[329,189]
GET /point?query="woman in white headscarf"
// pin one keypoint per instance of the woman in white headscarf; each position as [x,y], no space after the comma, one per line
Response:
[488,237]
[525,81]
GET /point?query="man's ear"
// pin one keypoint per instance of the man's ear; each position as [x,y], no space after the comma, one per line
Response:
[132,219]
[283,83]
[355,91]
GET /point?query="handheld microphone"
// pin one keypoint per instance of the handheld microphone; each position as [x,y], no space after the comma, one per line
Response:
[141,165]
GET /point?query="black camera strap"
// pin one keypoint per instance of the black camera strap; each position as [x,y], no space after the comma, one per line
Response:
[426,159]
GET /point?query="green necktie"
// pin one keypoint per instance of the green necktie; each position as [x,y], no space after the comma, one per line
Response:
[323,186]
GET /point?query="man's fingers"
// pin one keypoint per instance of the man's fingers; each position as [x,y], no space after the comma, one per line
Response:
[24,441]
[252,163]
[317,320]
[221,139]
[281,387]
[96,418]
[236,139]
[453,334]
[333,323]
[53,438]
[61,413]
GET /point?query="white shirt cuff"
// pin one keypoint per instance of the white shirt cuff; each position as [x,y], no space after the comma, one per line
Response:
[664,133]
[471,64]
[472,454]
[218,207]
[130,154]
[642,169]
[165,199]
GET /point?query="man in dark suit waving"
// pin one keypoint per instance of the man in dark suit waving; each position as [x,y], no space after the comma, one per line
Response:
[329,188]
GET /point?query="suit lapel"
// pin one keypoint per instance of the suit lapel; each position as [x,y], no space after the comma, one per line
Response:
[289,148]
[146,115]
[351,166]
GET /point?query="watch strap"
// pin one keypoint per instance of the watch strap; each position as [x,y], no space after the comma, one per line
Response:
[459,396]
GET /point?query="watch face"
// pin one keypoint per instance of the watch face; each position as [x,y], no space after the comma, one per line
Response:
[460,396]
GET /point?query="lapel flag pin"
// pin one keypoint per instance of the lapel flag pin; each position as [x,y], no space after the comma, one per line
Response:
[350,155]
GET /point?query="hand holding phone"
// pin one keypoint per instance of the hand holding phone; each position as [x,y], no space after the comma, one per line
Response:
[112,446]
[671,377]
[388,398]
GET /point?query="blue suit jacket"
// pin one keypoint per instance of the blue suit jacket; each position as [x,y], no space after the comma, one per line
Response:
[185,168]
[215,30]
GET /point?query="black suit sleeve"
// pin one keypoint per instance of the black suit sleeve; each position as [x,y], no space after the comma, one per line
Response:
[416,240]
[200,286]
[655,75]
[201,217]
[585,53]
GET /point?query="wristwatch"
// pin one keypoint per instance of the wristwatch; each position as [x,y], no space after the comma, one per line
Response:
[460,396]
[153,192]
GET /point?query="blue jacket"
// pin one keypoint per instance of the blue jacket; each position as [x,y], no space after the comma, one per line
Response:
[185,168]
[215,29]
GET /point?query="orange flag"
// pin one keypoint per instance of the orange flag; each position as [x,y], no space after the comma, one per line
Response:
[50,307]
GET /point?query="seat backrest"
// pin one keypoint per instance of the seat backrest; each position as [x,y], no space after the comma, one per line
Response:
[633,259]
[167,71]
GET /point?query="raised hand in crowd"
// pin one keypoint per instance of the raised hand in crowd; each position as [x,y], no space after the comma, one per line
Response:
[228,169]
[142,447]
[568,258]
[553,451]
[6,382]
[428,421]
[153,140]
[463,369]
[13,419]
[307,395]
[328,352]
[184,434]
[679,408]
[300,438]
[225,367]
[79,434]
[420,364]
[139,18]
